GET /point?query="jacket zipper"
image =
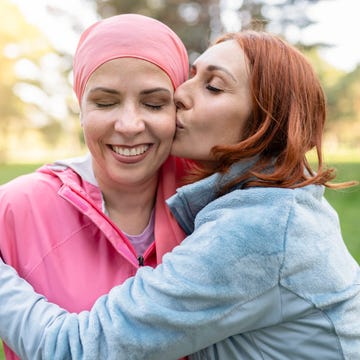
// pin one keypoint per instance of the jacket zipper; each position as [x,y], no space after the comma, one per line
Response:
[140,260]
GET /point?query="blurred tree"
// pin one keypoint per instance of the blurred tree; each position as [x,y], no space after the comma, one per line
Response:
[344,99]
[344,108]
[342,91]
[18,52]
[199,21]
[284,17]
[191,20]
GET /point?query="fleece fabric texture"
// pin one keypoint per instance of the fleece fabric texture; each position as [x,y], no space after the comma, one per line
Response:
[264,275]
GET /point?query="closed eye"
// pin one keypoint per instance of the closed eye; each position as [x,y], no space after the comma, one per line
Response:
[104,105]
[213,89]
[154,107]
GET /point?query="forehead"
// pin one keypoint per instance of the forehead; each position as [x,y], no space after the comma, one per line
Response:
[227,54]
[128,77]
[131,69]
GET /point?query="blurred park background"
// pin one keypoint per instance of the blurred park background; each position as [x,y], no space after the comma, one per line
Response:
[39,114]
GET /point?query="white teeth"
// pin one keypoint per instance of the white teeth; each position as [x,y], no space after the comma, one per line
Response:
[125,151]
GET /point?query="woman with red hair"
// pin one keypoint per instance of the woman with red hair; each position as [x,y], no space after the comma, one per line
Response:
[264,272]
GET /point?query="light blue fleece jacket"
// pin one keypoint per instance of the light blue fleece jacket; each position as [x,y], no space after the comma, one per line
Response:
[264,275]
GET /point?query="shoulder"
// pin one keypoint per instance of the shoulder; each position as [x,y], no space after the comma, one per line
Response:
[260,214]
[256,206]
[31,186]
[273,203]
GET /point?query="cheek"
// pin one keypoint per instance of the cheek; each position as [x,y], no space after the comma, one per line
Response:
[165,127]
[89,136]
[202,122]
[236,122]
[91,127]
[87,125]
[166,138]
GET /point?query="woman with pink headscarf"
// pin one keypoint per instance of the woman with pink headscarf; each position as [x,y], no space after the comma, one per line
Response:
[77,227]
[264,272]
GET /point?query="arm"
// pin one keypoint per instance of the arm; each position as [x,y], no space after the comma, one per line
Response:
[19,306]
[207,289]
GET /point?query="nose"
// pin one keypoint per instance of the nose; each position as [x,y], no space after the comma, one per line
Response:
[129,120]
[182,96]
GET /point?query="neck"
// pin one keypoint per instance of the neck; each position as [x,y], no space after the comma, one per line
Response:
[131,216]
[130,208]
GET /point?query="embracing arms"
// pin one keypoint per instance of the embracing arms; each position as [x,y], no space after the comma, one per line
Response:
[203,293]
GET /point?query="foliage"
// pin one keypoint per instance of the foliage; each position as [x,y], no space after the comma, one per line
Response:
[192,21]
[342,90]
[199,21]
[344,108]
[276,16]
[17,50]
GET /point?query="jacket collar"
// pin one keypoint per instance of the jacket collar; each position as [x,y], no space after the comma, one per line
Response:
[76,174]
[192,198]
[81,165]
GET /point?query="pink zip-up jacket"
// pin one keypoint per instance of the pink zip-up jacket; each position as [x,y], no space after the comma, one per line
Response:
[54,232]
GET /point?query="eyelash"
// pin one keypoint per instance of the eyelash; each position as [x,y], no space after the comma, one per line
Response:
[151,107]
[213,89]
[154,107]
[102,106]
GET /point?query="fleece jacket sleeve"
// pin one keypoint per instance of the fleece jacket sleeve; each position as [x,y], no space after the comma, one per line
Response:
[204,292]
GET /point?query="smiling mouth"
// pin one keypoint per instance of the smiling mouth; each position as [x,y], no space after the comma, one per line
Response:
[130,151]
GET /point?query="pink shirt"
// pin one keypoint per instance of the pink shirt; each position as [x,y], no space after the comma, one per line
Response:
[142,241]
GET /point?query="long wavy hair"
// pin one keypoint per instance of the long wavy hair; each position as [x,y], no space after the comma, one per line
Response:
[287,121]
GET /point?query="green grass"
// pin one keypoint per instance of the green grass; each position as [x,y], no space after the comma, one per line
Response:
[346,202]
[10,171]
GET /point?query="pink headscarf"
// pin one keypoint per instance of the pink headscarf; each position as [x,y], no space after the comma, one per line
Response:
[129,35]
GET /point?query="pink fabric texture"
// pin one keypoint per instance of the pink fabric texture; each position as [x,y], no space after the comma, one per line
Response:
[53,231]
[129,35]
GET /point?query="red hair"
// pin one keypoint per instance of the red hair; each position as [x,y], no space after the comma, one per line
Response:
[288,117]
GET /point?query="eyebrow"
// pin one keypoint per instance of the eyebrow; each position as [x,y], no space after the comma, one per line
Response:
[217,68]
[158,89]
[103,89]
[143,92]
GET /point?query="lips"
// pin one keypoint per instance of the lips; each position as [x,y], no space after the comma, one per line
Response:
[179,125]
[130,151]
